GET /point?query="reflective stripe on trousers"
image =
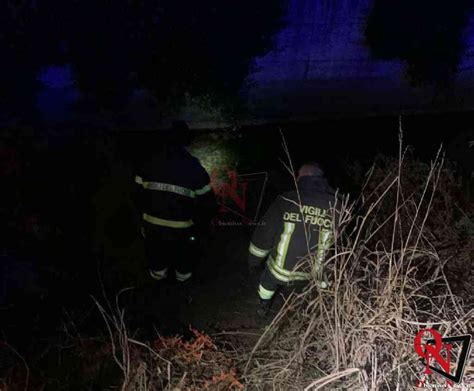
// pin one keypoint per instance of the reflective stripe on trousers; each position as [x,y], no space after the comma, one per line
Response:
[265,294]
[159,274]
[183,277]
[162,274]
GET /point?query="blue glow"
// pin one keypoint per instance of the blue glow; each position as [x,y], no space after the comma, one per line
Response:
[321,63]
[57,77]
[58,94]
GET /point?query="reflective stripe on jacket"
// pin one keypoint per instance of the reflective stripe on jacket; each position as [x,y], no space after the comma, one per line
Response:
[290,231]
[174,190]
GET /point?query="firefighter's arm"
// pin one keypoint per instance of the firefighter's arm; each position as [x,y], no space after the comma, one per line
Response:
[263,237]
[206,204]
[138,195]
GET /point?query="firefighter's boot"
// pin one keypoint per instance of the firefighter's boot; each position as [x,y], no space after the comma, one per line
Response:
[263,308]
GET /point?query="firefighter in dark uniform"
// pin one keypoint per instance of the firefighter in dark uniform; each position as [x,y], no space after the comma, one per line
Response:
[294,235]
[176,201]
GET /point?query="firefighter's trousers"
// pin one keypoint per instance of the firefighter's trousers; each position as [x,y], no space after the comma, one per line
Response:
[269,285]
[169,250]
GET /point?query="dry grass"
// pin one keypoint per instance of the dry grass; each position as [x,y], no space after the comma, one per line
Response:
[389,282]
[390,273]
[168,363]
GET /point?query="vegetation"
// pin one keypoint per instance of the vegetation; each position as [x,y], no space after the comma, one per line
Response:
[432,53]
[391,278]
[402,261]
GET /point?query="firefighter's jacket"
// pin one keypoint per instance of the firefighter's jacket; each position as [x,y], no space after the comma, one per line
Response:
[174,190]
[293,227]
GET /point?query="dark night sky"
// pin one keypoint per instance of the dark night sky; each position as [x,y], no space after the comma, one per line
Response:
[366,56]
[98,54]
[283,58]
